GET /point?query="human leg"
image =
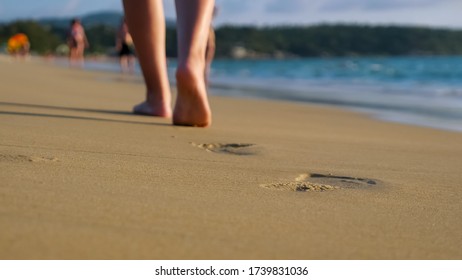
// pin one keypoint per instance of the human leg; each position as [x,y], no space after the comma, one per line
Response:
[78,55]
[74,57]
[131,64]
[146,22]
[193,23]
[123,60]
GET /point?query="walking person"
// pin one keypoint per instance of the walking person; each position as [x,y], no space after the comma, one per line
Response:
[145,19]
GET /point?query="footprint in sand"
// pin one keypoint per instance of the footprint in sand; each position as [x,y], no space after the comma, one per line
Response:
[240,149]
[23,158]
[322,182]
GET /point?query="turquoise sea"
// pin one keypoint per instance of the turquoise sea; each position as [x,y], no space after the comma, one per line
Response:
[418,90]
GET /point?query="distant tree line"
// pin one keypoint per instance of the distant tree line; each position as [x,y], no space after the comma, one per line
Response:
[340,40]
[287,41]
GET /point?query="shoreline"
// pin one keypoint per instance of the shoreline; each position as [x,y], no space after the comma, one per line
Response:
[83,178]
[409,109]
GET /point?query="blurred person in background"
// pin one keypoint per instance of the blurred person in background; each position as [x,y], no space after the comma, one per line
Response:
[77,42]
[125,49]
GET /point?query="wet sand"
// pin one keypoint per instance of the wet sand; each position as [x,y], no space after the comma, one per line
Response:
[82,178]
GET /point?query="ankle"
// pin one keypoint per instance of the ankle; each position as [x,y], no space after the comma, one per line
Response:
[154,98]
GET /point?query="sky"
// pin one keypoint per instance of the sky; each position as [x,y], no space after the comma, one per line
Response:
[437,13]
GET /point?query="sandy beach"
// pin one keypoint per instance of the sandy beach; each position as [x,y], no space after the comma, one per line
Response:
[83,178]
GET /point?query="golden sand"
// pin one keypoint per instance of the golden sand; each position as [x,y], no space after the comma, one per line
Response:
[82,178]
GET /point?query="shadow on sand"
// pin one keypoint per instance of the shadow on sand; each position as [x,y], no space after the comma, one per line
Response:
[85,110]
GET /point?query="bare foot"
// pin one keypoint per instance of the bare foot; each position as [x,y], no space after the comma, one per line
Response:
[192,105]
[151,107]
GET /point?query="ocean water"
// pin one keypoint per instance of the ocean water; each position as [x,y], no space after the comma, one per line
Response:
[424,91]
